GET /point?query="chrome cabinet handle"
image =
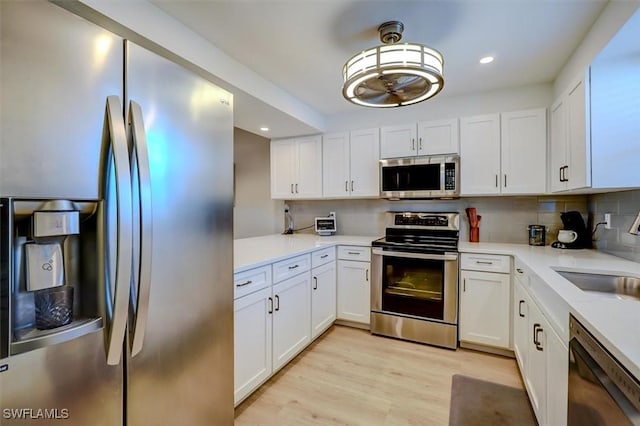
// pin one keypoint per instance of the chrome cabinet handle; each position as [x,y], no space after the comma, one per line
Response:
[244,283]
[296,188]
[277,302]
[505,180]
[496,181]
[464,284]
[366,275]
[354,252]
[115,142]
[270,305]
[413,144]
[324,256]
[482,262]
[520,271]
[315,283]
[293,267]
[140,153]
[346,186]
[520,303]
[420,143]
[351,186]
[292,188]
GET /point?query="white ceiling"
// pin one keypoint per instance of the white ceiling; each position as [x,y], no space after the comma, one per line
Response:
[301,45]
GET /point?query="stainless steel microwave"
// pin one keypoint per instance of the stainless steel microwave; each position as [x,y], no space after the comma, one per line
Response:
[420,177]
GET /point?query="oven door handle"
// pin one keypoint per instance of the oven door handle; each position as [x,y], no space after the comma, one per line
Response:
[446,256]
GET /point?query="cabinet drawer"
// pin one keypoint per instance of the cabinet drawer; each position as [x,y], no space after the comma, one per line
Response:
[486,262]
[354,253]
[290,267]
[323,256]
[252,280]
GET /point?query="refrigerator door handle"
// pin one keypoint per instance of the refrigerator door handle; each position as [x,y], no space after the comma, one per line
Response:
[141,280]
[116,327]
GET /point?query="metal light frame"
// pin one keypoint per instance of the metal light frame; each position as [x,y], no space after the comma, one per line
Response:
[401,58]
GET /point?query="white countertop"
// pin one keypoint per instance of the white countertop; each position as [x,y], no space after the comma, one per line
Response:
[257,251]
[612,321]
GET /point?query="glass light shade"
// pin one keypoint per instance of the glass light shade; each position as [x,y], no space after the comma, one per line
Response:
[393,75]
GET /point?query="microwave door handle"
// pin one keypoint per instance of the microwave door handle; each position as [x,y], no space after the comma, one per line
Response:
[446,256]
[115,143]
[141,152]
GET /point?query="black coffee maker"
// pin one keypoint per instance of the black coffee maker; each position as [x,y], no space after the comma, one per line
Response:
[573,221]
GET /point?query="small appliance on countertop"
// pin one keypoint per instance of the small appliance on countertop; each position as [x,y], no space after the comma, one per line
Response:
[537,235]
[575,234]
[326,226]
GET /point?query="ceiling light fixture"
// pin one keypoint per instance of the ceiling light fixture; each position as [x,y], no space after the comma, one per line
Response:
[486,60]
[264,129]
[393,75]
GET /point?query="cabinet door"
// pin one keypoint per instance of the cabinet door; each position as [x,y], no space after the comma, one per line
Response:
[438,137]
[557,379]
[536,372]
[335,165]
[520,324]
[578,134]
[523,140]
[398,141]
[283,160]
[365,166]
[252,342]
[354,291]
[480,155]
[323,298]
[291,318]
[484,308]
[309,167]
[558,149]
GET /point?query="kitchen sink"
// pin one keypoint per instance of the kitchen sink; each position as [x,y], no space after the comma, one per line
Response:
[618,286]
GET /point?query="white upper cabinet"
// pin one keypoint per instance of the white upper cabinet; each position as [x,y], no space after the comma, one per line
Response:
[398,141]
[438,137]
[570,144]
[296,168]
[350,164]
[480,154]
[426,138]
[504,153]
[523,158]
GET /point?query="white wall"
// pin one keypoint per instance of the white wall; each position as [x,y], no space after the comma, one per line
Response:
[440,107]
[254,212]
[612,18]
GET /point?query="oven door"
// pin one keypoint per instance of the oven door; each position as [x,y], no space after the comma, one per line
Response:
[415,284]
[601,392]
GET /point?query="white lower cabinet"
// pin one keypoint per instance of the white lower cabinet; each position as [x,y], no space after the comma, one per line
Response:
[354,291]
[541,354]
[485,300]
[291,318]
[323,298]
[252,342]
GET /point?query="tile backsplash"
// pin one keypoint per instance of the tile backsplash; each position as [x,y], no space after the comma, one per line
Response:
[504,219]
[623,207]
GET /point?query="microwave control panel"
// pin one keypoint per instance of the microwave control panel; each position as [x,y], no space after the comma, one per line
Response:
[449,177]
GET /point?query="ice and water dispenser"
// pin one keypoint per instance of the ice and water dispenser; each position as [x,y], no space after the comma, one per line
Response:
[49,272]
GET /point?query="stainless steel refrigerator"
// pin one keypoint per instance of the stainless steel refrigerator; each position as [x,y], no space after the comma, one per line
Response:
[116,186]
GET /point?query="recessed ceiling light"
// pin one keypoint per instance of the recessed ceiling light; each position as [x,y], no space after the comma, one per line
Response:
[264,129]
[486,60]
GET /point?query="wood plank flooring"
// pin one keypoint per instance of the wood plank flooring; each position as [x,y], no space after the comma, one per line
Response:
[350,377]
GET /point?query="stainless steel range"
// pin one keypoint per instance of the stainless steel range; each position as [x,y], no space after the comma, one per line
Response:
[414,286]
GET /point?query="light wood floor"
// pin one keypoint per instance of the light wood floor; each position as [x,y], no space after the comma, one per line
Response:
[349,377]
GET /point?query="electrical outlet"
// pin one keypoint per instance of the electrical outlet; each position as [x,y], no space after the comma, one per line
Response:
[607,221]
[635,227]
